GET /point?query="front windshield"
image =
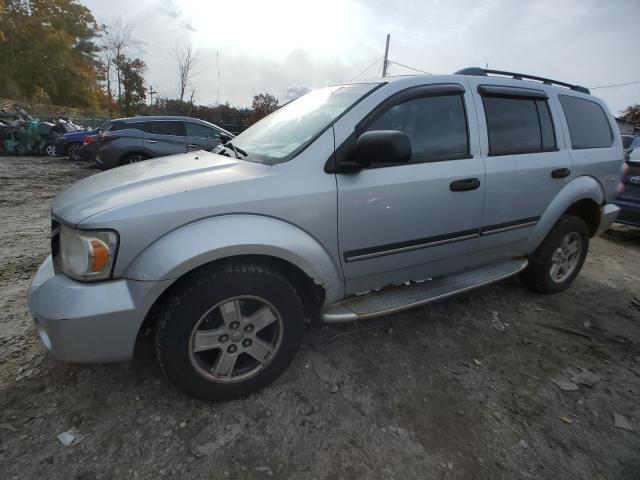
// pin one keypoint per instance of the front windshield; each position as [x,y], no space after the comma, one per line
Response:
[281,135]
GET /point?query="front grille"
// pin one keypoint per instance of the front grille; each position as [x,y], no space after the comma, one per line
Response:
[55,244]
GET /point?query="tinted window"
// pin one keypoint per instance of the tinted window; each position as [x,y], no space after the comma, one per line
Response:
[514,125]
[588,124]
[165,127]
[436,126]
[201,131]
[546,126]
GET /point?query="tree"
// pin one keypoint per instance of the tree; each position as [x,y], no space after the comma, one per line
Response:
[632,114]
[263,104]
[133,91]
[49,48]
[187,59]
[117,39]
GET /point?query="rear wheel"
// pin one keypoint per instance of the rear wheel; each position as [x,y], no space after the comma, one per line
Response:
[50,150]
[559,258]
[229,331]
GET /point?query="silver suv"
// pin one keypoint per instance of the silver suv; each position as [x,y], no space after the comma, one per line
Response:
[427,186]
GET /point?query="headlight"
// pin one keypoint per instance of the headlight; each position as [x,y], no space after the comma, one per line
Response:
[87,254]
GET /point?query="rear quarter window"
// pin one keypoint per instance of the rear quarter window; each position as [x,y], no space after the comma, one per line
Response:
[588,123]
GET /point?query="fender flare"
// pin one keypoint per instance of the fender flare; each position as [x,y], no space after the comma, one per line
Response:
[581,188]
[215,238]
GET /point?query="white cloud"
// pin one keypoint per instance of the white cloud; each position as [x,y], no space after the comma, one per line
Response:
[270,46]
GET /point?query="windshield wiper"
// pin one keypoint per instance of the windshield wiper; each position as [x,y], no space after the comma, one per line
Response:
[235,149]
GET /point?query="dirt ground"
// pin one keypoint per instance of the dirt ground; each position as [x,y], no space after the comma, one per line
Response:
[463,388]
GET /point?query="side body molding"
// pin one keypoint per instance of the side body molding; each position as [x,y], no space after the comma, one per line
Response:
[214,238]
[581,188]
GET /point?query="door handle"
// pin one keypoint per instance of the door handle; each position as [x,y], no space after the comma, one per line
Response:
[191,145]
[464,185]
[151,141]
[560,173]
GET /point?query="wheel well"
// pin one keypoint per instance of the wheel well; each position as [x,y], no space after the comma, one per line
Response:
[311,294]
[587,210]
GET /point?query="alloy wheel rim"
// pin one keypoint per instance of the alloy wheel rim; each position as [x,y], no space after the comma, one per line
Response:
[565,258]
[51,150]
[235,339]
[73,152]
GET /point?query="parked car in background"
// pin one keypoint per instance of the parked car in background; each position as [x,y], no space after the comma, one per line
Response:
[428,185]
[131,140]
[629,199]
[630,142]
[89,148]
[68,144]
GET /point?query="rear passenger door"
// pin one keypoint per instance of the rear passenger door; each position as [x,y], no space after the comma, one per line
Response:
[526,161]
[201,137]
[164,137]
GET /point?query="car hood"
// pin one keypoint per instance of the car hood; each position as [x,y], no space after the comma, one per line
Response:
[144,181]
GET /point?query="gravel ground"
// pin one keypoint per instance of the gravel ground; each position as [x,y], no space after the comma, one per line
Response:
[469,387]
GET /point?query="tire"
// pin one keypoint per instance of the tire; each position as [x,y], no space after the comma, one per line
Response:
[559,258]
[201,310]
[50,150]
[73,151]
[133,158]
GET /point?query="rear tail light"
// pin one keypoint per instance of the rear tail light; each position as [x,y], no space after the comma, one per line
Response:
[89,140]
[625,168]
[621,188]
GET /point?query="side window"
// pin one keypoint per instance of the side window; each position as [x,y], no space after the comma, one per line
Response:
[588,124]
[436,126]
[201,131]
[518,125]
[165,127]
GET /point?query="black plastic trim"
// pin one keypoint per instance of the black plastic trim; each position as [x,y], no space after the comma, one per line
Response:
[518,92]
[524,222]
[436,240]
[419,243]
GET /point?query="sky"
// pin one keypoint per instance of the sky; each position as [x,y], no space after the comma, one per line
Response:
[286,47]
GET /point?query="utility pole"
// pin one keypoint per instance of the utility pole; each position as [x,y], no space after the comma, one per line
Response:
[151,95]
[385,63]
[218,67]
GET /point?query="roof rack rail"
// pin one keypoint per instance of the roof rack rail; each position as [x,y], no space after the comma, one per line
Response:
[484,72]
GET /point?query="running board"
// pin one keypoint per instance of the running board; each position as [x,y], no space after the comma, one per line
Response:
[396,299]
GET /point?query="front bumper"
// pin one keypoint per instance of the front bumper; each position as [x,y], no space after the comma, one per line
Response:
[89,322]
[609,214]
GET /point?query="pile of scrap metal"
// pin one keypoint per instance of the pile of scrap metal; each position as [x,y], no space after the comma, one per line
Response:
[21,134]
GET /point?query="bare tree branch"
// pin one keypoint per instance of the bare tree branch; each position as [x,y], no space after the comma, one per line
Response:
[187,59]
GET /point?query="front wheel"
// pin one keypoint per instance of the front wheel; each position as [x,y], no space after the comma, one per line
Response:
[229,331]
[559,258]
[133,158]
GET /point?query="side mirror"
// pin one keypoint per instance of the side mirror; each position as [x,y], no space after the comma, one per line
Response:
[382,146]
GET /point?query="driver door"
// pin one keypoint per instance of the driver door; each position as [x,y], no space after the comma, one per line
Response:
[420,219]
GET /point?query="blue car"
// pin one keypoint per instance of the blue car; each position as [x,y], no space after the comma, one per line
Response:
[68,144]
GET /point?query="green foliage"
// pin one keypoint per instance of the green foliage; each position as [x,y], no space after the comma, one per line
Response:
[49,51]
[133,90]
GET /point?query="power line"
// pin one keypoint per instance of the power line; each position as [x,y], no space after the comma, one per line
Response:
[410,68]
[614,85]
[377,60]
